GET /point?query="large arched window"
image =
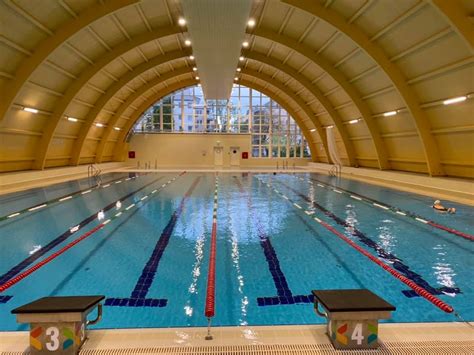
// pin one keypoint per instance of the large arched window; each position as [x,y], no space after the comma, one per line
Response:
[272,131]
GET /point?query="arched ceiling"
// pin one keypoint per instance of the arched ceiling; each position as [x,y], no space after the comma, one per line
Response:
[342,62]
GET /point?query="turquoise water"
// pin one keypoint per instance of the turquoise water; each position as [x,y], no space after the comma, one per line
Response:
[151,260]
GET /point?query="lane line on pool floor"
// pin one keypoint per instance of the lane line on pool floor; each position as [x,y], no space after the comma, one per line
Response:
[138,295]
[284,294]
[53,256]
[413,285]
[236,255]
[390,208]
[381,252]
[64,236]
[199,257]
[57,200]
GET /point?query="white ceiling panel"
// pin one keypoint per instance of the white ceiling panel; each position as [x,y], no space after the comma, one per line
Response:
[217,30]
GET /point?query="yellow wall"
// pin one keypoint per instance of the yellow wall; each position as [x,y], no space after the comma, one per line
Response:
[195,150]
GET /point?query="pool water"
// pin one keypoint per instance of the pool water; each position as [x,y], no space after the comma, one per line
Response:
[149,255]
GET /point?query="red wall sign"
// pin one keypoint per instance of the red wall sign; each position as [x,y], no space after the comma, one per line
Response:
[131,154]
[245,155]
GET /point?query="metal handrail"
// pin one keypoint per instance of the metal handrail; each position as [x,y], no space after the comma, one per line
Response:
[335,170]
[99,316]
[95,173]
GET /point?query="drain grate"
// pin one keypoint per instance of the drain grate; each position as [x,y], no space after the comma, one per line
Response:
[389,348]
[402,348]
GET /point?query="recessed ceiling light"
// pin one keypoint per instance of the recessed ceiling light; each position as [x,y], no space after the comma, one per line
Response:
[29,109]
[181,21]
[187,42]
[191,57]
[312,130]
[455,100]
[251,22]
[72,119]
[199,84]
[236,78]
[117,128]
[353,121]
[245,44]
[331,126]
[390,113]
[99,124]
[239,69]
[197,77]
[195,69]
[241,58]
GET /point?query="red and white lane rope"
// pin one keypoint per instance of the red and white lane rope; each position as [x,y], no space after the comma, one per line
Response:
[53,256]
[389,208]
[211,275]
[418,289]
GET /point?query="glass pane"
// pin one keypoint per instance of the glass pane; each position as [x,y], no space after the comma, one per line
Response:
[274,152]
[255,152]
[274,132]
[306,151]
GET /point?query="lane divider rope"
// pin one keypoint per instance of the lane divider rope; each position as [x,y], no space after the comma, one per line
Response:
[61,251]
[419,290]
[58,199]
[393,209]
[64,236]
[211,275]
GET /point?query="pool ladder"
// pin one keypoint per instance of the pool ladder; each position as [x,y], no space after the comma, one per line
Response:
[94,175]
[335,170]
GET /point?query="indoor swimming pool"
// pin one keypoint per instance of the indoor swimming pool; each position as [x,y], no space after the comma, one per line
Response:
[143,239]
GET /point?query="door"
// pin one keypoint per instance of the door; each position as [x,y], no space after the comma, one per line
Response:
[235,156]
[218,156]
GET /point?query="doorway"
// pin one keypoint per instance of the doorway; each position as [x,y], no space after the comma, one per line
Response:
[218,156]
[234,156]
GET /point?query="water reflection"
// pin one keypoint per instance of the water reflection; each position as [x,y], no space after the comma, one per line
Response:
[235,255]
[443,270]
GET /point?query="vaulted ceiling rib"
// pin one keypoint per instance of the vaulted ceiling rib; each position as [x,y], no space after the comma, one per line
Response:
[89,59]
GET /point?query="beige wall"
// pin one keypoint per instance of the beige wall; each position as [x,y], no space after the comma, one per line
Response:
[195,150]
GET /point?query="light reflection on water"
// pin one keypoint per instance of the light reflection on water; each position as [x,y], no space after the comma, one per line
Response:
[443,270]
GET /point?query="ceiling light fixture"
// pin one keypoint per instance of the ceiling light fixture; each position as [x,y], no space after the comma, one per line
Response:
[241,58]
[72,119]
[390,113]
[197,77]
[251,22]
[117,128]
[331,126]
[353,121]
[312,130]
[238,69]
[236,78]
[187,42]
[195,69]
[191,57]
[99,124]
[245,44]
[29,109]
[455,100]
[199,84]
[181,21]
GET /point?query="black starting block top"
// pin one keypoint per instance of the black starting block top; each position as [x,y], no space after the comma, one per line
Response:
[361,300]
[66,304]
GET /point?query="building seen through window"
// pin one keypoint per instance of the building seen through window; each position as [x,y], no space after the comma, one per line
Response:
[273,132]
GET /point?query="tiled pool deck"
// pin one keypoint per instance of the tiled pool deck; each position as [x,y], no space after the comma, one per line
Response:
[396,338]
